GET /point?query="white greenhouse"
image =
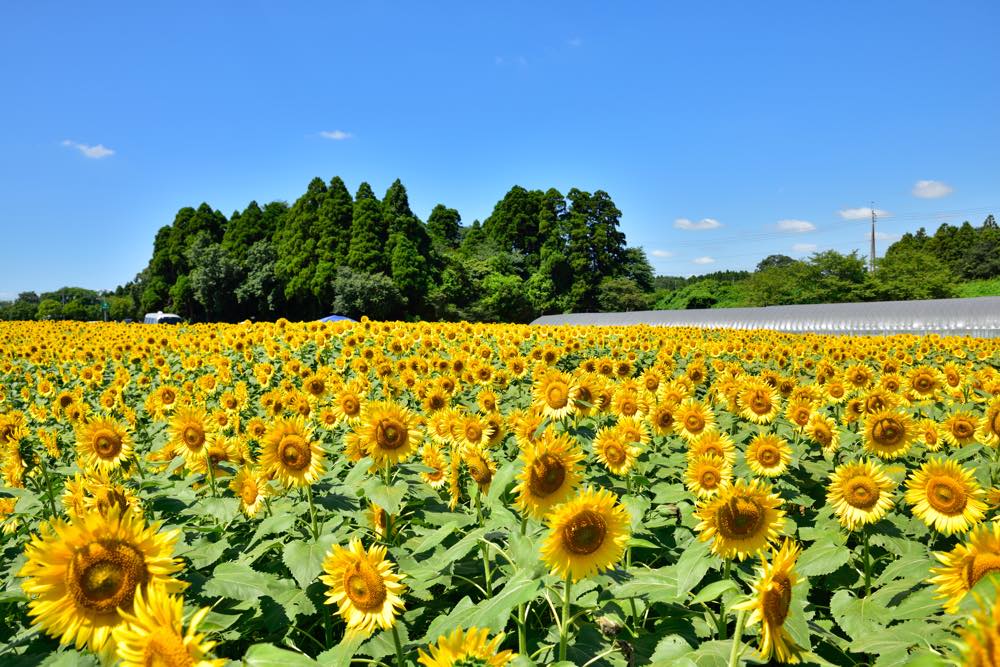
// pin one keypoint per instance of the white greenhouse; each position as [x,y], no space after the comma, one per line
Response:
[978,317]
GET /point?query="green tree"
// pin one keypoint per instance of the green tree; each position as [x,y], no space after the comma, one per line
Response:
[296,245]
[368,233]
[49,309]
[213,278]
[911,274]
[364,294]
[503,299]
[155,294]
[250,226]
[621,294]
[183,301]
[261,294]
[444,225]
[409,271]
[120,307]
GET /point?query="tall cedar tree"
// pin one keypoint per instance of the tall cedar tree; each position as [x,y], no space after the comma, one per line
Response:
[368,233]
[296,245]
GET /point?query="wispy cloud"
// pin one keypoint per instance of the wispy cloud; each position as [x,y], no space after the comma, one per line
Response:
[931,189]
[862,213]
[661,253]
[335,135]
[501,61]
[804,247]
[93,152]
[704,260]
[797,226]
[885,236]
[704,223]
[575,42]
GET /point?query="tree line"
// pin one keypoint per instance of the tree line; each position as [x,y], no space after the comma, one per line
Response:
[330,252]
[538,252]
[917,266]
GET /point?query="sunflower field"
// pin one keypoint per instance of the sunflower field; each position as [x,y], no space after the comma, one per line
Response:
[303,494]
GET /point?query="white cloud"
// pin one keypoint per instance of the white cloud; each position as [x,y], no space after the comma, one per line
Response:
[884,236]
[804,247]
[94,152]
[703,260]
[704,223]
[862,213]
[661,253]
[797,226]
[335,135]
[931,189]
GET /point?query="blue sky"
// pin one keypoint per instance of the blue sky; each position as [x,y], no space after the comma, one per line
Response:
[732,117]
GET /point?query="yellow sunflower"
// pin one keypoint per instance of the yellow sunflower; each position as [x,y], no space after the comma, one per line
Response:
[251,488]
[614,452]
[587,534]
[480,465]
[290,453]
[888,434]
[389,432]
[662,419]
[741,520]
[706,474]
[103,443]
[758,402]
[824,431]
[925,381]
[966,564]
[979,640]
[929,432]
[190,428]
[959,429]
[153,634]
[715,442]
[860,493]
[348,404]
[550,474]
[80,574]
[691,418]
[555,395]
[432,457]
[768,455]
[364,587]
[989,424]
[466,647]
[770,606]
[945,496]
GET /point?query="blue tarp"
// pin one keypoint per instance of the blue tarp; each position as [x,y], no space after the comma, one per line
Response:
[336,318]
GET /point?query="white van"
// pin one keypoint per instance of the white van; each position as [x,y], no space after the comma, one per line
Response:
[161,317]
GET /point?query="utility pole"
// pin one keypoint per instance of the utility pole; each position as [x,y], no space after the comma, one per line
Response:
[871,256]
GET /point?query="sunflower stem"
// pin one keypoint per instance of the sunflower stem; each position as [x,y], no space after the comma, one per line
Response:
[734,654]
[483,548]
[522,631]
[312,513]
[211,475]
[564,626]
[867,560]
[726,576]
[48,484]
[400,660]
[138,467]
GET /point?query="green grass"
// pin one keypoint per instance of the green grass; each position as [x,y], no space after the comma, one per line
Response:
[980,288]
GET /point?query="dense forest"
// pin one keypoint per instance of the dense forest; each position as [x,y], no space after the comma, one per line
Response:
[538,252]
[328,252]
